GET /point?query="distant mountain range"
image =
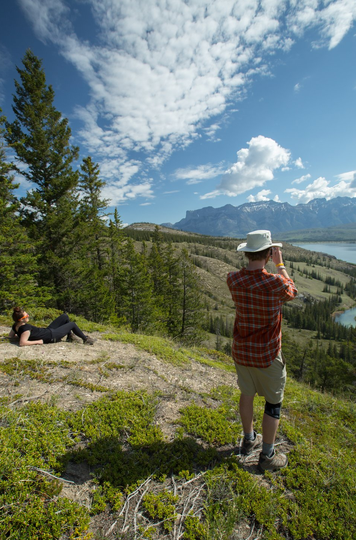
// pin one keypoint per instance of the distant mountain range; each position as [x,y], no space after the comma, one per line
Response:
[237,221]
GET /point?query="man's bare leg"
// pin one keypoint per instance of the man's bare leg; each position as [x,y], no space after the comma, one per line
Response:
[269,428]
[246,412]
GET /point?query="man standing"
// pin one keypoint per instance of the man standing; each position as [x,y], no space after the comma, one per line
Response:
[258,297]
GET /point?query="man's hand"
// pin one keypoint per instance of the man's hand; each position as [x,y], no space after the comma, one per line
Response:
[276,255]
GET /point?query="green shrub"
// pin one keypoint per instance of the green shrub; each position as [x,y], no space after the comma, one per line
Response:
[210,425]
[161,507]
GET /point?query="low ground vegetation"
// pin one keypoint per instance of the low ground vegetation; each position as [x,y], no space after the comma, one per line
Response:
[138,438]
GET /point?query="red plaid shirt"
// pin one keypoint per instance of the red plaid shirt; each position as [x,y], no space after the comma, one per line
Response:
[258,297]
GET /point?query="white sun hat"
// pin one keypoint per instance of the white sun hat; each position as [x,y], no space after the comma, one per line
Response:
[258,241]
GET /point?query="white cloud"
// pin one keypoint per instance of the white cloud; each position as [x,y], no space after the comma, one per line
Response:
[261,196]
[254,167]
[211,195]
[211,131]
[337,19]
[334,20]
[299,163]
[301,179]
[195,175]
[351,175]
[321,188]
[297,87]
[121,194]
[159,72]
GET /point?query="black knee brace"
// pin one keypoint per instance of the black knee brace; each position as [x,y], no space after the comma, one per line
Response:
[273,410]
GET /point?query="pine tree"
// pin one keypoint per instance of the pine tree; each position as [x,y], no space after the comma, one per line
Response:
[191,304]
[157,268]
[92,211]
[90,263]
[117,243]
[40,137]
[18,265]
[171,305]
[136,300]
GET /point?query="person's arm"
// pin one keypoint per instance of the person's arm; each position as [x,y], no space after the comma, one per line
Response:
[24,339]
[278,261]
[291,291]
[12,334]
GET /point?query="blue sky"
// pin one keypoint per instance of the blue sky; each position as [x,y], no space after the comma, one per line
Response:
[187,104]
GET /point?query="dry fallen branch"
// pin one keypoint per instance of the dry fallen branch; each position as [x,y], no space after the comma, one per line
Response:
[137,507]
[188,508]
[51,475]
[30,398]
[126,506]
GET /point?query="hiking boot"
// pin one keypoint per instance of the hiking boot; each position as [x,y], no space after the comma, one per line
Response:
[72,338]
[249,446]
[88,341]
[273,463]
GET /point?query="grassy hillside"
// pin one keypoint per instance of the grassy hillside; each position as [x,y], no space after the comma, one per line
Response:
[216,256]
[138,438]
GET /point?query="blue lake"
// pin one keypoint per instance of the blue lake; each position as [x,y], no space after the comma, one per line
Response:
[347,318]
[345,251]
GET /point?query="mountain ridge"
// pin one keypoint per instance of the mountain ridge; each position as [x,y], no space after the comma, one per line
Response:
[237,221]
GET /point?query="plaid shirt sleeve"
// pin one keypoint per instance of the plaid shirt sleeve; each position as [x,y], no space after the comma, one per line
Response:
[258,297]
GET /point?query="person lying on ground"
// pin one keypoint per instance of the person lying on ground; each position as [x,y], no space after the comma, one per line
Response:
[32,335]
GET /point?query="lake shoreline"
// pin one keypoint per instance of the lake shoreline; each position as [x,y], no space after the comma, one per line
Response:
[343,251]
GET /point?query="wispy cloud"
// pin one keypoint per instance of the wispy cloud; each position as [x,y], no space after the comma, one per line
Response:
[159,72]
[195,175]
[301,179]
[119,195]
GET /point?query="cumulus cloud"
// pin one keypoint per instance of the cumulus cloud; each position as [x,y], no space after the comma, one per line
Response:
[158,73]
[322,188]
[254,167]
[261,196]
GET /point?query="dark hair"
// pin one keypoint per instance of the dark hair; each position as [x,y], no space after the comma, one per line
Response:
[258,255]
[17,314]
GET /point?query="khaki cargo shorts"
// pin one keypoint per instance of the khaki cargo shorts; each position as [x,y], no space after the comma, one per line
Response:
[267,382]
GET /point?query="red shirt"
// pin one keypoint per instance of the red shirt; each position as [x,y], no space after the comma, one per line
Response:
[258,297]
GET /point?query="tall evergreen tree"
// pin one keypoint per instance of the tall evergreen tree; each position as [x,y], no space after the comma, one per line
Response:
[18,265]
[191,303]
[117,243]
[171,307]
[137,304]
[91,262]
[40,137]
[92,211]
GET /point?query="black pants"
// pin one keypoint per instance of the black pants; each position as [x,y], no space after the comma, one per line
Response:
[62,326]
